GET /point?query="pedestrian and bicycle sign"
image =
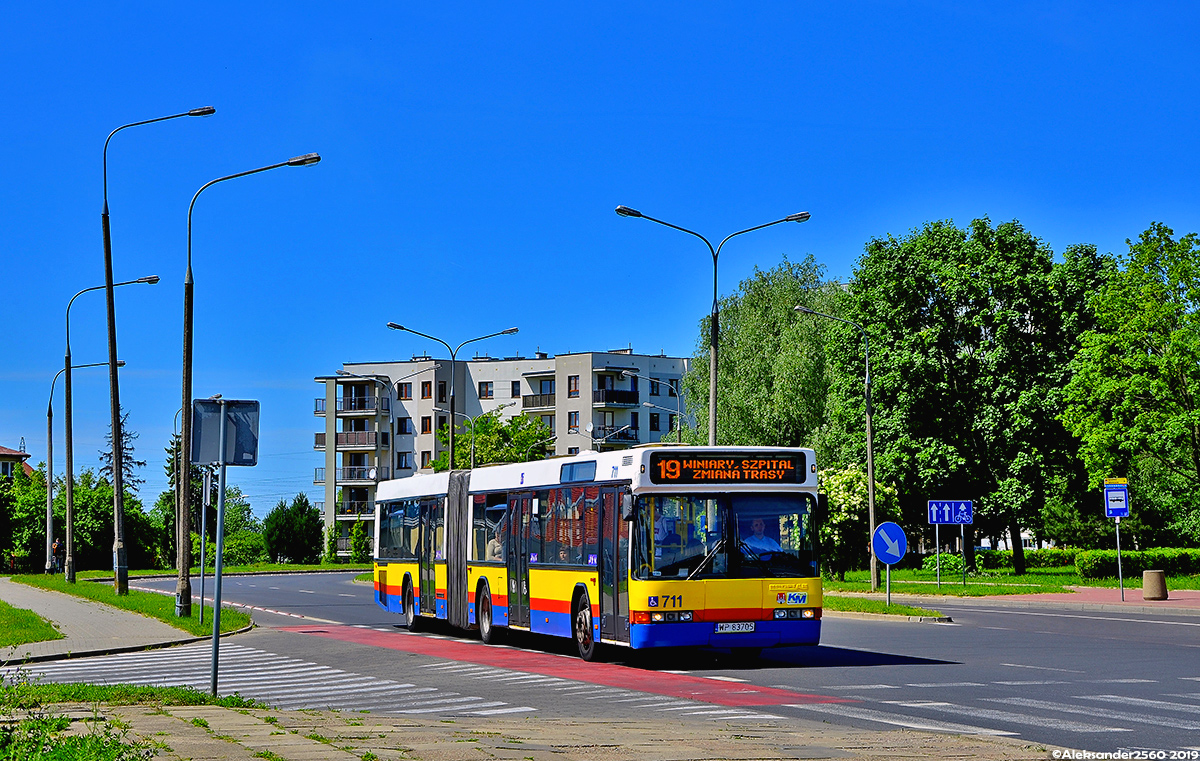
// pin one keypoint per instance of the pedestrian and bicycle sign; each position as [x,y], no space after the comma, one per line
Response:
[1116,498]
[954,512]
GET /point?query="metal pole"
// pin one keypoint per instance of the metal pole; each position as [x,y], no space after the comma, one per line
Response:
[962,530]
[713,329]
[1120,580]
[120,570]
[889,584]
[204,533]
[69,529]
[453,368]
[50,479]
[937,542]
[216,636]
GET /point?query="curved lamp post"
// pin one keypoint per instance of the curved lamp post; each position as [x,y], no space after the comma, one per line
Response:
[678,416]
[69,561]
[678,400]
[870,451]
[453,367]
[625,211]
[472,419]
[120,572]
[183,587]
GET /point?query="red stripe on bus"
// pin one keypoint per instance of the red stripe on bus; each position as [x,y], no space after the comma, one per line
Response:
[547,605]
[605,674]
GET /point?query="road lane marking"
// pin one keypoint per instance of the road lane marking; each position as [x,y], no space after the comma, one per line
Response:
[727,679]
[946,684]
[862,687]
[1143,702]
[1165,721]
[1020,718]
[1086,618]
[899,720]
[498,711]
[1031,682]
[1041,668]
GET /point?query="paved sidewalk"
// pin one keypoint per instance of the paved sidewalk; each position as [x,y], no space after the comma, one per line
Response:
[88,628]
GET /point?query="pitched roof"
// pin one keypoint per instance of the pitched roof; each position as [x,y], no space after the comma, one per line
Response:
[5,451]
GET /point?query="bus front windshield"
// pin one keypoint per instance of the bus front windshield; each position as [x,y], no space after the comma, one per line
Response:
[724,536]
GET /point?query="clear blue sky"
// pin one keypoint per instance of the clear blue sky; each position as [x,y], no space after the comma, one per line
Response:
[473,155]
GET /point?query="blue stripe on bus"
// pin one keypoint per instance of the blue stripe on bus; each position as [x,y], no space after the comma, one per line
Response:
[765,634]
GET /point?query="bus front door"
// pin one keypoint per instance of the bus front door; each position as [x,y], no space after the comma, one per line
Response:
[614,568]
[517,556]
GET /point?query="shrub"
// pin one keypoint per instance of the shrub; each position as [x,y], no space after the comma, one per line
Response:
[1102,564]
[951,563]
[293,532]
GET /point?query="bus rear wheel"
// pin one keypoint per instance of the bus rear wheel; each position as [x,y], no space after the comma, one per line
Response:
[483,614]
[585,640]
[411,619]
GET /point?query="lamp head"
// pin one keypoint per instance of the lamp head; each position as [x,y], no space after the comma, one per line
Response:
[625,211]
[215,396]
[648,404]
[803,309]
[202,111]
[509,332]
[341,372]
[307,159]
[120,363]
[801,217]
[394,326]
[150,279]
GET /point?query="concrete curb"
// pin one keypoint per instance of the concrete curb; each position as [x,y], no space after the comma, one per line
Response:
[1001,602]
[886,617]
[117,650]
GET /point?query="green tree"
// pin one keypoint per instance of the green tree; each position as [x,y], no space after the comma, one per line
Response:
[360,546]
[772,371]
[239,516]
[966,344]
[331,543]
[292,532]
[514,440]
[196,482]
[129,463]
[844,530]
[1134,396]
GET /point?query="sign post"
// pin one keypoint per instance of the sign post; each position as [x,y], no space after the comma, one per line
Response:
[1116,506]
[224,432]
[889,545]
[960,511]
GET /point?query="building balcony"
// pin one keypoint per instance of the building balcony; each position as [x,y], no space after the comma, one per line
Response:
[343,544]
[354,405]
[534,401]
[365,473]
[354,439]
[609,434]
[611,397]
[350,509]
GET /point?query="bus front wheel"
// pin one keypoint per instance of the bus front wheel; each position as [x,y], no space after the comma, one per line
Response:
[483,614]
[585,641]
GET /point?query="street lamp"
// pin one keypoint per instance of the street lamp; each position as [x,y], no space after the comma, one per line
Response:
[678,400]
[453,367]
[596,441]
[69,562]
[678,416]
[870,451]
[529,448]
[625,211]
[50,472]
[120,572]
[472,419]
[183,587]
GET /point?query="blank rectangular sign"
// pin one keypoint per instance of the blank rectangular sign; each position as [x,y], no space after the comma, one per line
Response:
[241,433]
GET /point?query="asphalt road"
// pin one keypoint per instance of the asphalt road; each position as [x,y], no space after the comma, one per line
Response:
[1065,678]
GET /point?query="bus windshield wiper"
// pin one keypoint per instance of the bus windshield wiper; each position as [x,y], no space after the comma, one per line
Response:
[707,558]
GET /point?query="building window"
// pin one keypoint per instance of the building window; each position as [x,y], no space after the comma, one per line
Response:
[404,391]
[6,469]
[633,423]
[426,389]
[572,420]
[427,424]
[485,389]
[654,422]
[404,461]
[516,389]
[548,420]
[605,382]
[441,422]
[441,392]
[671,422]
[654,384]
[426,457]
[573,386]
[572,450]
[546,386]
[672,387]
[403,426]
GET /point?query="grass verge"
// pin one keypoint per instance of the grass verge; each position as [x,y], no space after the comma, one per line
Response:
[149,604]
[368,577]
[19,626]
[27,695]
[255,568]
[857,605]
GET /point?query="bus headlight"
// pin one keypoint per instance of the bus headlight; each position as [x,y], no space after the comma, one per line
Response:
[808,613]
[685,615]
[657,618]
[781,613]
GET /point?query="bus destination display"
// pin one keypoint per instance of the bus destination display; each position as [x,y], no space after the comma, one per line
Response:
[726,468]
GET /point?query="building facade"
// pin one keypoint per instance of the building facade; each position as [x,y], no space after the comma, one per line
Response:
[381,418]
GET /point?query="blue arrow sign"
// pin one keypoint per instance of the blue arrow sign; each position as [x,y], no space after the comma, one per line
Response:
[889,543]
[953,511]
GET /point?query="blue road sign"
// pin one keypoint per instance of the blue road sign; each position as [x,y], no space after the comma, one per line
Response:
[889,543]
[954,511]
[1116,500]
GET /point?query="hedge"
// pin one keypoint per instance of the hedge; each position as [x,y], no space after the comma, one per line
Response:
[1049,557]
[1102,564]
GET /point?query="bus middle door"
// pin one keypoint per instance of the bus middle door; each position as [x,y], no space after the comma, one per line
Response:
[425,556]
[614,568]
[517,548]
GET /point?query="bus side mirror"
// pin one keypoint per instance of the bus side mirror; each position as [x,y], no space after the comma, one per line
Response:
[626,506]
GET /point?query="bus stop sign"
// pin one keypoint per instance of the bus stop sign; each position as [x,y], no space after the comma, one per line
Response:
[1116,498]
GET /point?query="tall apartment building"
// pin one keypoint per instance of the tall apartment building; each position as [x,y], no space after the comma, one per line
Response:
[381,418]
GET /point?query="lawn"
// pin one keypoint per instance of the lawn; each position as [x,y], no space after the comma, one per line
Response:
[864,605]
[996,582]
[149,604]
[19,627]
